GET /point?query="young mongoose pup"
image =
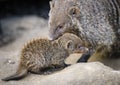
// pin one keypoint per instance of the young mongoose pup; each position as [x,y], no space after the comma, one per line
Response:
[40,54]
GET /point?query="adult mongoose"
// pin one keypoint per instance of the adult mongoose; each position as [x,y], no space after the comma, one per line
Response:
[96,22]
[40,54]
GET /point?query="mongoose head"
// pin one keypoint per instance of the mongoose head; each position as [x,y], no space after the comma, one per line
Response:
[82,18]
[75,47]
[72,43]
[60,18]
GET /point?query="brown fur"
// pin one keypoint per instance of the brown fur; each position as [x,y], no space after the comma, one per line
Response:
[40,54]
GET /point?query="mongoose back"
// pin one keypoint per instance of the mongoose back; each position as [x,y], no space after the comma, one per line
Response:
[96,22]
[43,53]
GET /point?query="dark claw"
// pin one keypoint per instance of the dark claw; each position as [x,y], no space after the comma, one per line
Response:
[85,56]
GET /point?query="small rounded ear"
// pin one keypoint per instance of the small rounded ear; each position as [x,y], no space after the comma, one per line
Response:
[51,4]
[74,11]
[69,45]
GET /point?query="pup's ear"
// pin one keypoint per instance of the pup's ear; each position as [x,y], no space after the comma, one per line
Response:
[69,45]
[74,11]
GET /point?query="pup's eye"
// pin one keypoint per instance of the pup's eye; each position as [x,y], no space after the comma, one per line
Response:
[79,46]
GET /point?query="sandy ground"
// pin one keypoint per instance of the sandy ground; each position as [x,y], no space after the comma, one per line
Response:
[9,55]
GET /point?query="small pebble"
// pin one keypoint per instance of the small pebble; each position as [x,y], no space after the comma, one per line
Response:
[9,61]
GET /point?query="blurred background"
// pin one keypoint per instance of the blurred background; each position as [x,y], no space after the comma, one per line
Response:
[20,21]
[18,15]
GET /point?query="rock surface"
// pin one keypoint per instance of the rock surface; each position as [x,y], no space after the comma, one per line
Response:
[77,74]
[93,73]
[83,74]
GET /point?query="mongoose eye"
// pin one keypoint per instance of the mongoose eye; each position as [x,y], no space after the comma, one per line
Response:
[59,27]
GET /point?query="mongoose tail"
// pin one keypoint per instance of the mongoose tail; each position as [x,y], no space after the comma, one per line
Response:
[18,75]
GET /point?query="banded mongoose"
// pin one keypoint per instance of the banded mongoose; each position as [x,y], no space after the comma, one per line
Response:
[40,54]
[96,22]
